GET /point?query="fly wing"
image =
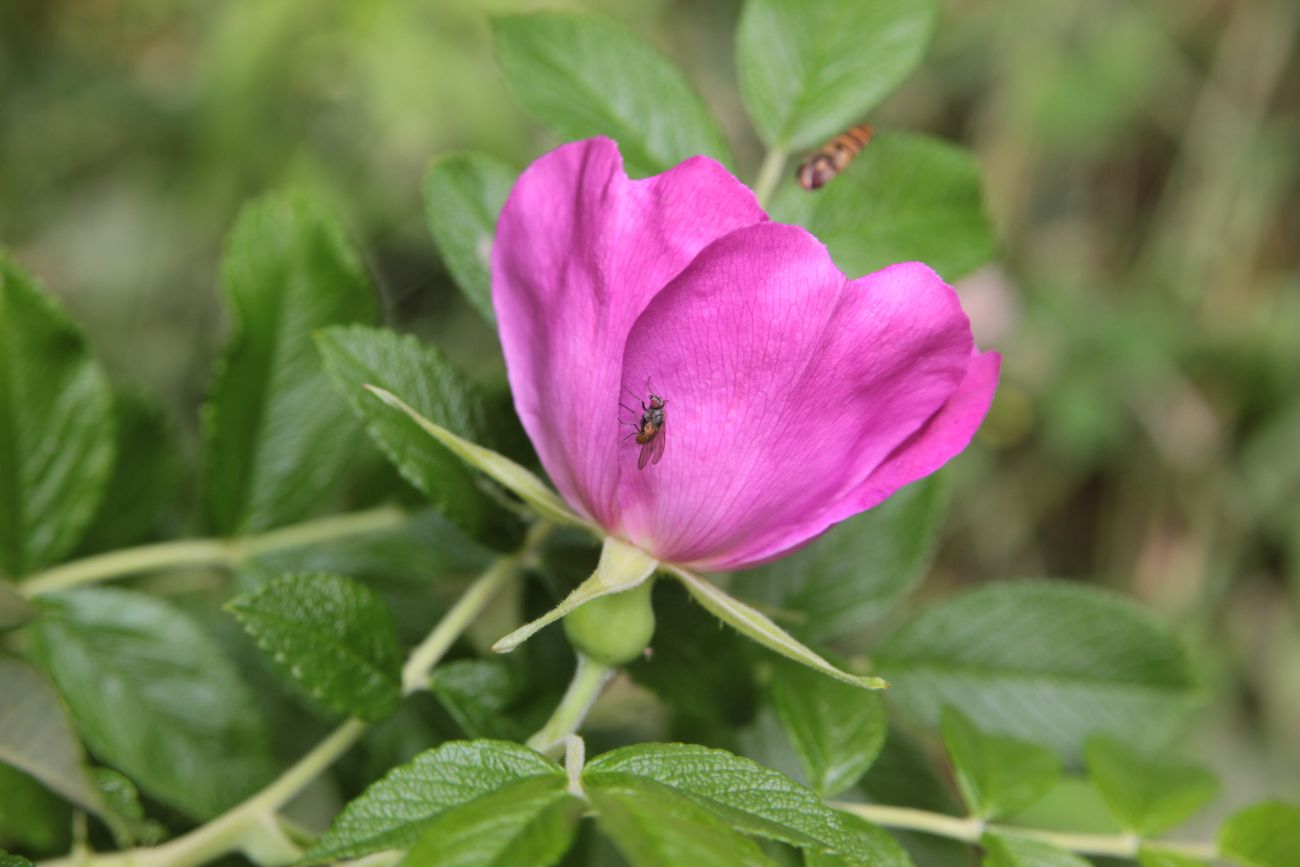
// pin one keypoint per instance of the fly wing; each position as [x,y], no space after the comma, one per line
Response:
[646,448]
[660,442]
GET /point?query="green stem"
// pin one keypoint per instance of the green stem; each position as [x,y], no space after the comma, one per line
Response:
[192,553]
[588,681]
[970,830]
[769,175]
[249,826]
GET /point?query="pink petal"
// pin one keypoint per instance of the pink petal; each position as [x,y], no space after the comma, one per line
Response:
[788,388]
[580,251]
[942,438]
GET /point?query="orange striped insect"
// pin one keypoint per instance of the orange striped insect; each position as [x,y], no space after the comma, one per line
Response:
[833,157]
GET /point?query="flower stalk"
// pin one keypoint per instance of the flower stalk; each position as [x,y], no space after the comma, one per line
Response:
[589,680]
[972,829]
[198,553]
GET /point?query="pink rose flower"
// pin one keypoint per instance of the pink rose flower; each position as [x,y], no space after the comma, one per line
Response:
[796,397]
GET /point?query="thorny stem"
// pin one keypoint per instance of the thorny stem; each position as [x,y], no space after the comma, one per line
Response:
[251,827]
[192,553]
[971,829]
[588,681]
[769,175]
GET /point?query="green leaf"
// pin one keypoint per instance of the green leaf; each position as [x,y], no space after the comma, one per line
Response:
[1265,835]
[1050,663]
[742,793]
[856,572]
[1155,858]
[836,729]
[532,490]
[750,622]
[356,357]
[30,816]
[1147,796]
[529,823]
[463,197]
[155,696]
[127,815]
[809,70]
[482,696]
[56,428]
[395,811]
[621,568]
[142,489]
[905,198]
[584,76]
[998,776]
[7,860]
[653,826]
[885,850]
[699,670]
[1006,850]
[15,610]
[36,736]
[332,636]
[276,437]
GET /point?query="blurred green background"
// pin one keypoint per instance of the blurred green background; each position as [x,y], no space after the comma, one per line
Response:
[1142,166]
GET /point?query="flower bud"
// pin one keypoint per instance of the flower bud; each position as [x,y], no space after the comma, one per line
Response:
[614,629]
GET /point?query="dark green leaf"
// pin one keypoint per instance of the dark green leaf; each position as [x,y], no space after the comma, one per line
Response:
[56,428]
[463,196]
[146,477]
[654,826]
[698,668]
[809,70]
[36,736]
[742,793]
[276,437]
[998,776]
[905,198]
[1005,850]
[155,696]
[836,729]
[1050,663]
[1265,835]
[858,570]
[481,694]
[359,356]
[1147,796]
[7,860]
[1156,858]
[885,850]
[330,635]
[406,556]
[528,823]
[127,816]
[30,816]
[394,812]
[584,76]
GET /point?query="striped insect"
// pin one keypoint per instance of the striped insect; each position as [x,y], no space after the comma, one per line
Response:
[833,157]
[649,430]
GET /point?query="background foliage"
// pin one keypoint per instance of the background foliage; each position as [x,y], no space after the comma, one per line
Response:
[1138,163]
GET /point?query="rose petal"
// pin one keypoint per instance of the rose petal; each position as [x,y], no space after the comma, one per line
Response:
[580,250]
[787,387]
[942,438]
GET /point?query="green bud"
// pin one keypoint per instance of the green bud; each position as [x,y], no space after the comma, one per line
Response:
[614,629]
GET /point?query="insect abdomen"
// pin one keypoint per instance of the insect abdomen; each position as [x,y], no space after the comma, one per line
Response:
[833,157]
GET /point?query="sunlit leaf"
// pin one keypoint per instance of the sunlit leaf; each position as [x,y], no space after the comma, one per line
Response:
[276,436]
[583,76]
[1148,796]
[998,776]
[56,428]
[808,70]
